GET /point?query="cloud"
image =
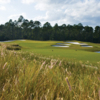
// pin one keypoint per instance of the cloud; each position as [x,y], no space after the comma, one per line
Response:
[2,21]
[28,1]
[69,11]
[16,16]
[2,8]
[4,1]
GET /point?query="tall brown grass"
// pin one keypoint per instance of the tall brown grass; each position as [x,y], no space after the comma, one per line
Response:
[26,76]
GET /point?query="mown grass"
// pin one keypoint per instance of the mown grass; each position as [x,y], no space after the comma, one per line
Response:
[74,52]
[27,76]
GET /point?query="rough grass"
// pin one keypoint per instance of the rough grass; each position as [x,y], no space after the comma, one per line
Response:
[11,46]
[27,76]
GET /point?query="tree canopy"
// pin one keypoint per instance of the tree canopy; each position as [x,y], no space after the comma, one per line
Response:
[25,29]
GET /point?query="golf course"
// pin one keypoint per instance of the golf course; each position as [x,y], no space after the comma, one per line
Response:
[72,52]
[49,70]
[50,50]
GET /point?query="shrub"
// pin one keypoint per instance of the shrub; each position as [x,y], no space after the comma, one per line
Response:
[13,47]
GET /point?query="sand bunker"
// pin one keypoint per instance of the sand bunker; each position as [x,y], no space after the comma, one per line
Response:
[81,44]
[73,42]
[66,44]
[86,46]
[59,46]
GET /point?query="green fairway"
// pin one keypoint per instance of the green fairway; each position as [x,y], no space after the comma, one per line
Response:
[73,52]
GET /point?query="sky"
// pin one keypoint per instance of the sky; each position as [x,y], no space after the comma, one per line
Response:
[66,12]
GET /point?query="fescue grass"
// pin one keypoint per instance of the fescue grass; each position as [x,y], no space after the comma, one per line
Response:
[30,76]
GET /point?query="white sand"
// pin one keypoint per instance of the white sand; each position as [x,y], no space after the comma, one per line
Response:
[73,42]
[87,46]
[59,46]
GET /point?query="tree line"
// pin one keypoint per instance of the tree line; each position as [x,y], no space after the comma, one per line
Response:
[25,29]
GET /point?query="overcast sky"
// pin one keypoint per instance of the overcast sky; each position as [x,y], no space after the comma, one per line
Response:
[71,12]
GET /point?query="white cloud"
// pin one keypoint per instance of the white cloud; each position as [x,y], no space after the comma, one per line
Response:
[69,11]
[16,16]
[2,8]
[2,21]
[28,1]
[4,1]
[34,1]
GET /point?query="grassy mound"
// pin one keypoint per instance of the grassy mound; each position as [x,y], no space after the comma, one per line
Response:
[27,76]
[11,46]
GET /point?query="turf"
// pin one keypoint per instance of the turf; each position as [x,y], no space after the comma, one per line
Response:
[74,52]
